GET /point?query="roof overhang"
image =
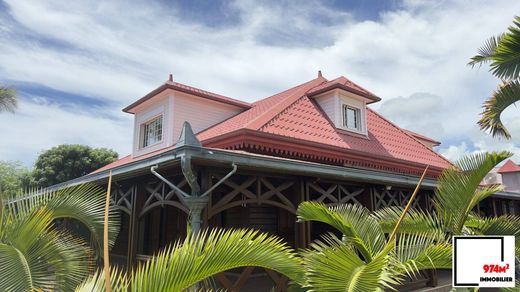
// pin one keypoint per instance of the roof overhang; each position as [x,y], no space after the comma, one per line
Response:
[284,144]
[224,158]
[370,97]
[187,90]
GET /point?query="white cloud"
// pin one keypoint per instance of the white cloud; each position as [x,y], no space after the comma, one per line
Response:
[120,50]
[38,125]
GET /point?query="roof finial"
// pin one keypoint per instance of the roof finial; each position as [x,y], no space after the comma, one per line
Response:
[170,78]
[319,74]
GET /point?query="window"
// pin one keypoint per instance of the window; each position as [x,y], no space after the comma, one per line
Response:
[152,132]
[351,118]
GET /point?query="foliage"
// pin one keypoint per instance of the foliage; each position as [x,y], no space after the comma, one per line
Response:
[34,254]
[457,194]
[363,259]
[14,178]
[66,162]
[200,256]
[503,54]
[8,100]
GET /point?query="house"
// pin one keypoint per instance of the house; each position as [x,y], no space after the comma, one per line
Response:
[508,200]
[230,163]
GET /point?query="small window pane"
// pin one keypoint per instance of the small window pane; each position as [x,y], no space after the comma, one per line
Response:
[152,132]
[351,117]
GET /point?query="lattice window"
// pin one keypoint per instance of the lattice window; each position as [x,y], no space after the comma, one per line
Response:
[160,194]
[122,197]
[334,193]
[244,190]
[388,198]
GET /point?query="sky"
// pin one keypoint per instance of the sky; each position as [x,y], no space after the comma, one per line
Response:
[76,64]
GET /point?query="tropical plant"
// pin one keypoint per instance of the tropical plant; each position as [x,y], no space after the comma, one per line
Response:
[503,53]
[7,99]
[37,255]
[202,255]
[458,193]
[364,259]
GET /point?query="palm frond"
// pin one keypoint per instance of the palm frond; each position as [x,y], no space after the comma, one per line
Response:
[506,95]
[503,225]
[205,254]
[354,221]
[416,252]
[416,221]
[15,271]
[7,99]
[335,266]
[458,188]
[84,203]
[506,58]
[486,52]
[96,282]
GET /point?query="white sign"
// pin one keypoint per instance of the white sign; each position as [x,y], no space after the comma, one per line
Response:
[483,261]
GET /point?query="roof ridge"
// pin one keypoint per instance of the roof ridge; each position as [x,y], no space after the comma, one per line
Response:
[270,114]
[409,135]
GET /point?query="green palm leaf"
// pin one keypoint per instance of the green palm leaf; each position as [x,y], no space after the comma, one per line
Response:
[506,58]
[458,189]
[84,203]
[39,256]
[486,52]
[503,97]
[7,99]
[15,271]
[335,266]
[356,223]
[416,252]
[205,254]
[416,221]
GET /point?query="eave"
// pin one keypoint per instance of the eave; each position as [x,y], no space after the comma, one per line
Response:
[188,90]
[313,150]
[224,158]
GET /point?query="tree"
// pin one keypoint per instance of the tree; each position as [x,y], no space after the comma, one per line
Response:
[458,193]
[364,259]
[7,99]
[66,162]
[503,53]
[200,256]
[36,256]
[14,178]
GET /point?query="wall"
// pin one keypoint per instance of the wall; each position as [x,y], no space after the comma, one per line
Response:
[177,107]
[511,181]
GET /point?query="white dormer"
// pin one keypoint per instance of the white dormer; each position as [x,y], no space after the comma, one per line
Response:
[346,110]
[159,116]
[344,103]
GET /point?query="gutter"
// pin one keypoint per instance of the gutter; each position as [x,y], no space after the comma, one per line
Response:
[245,160]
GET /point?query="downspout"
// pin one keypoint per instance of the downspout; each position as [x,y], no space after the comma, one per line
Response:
[196,201]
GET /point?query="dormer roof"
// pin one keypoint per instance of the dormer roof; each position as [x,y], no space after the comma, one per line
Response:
[344,84]
[170,84]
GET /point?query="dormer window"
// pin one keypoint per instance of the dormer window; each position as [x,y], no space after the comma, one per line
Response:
[152,132]
[351,117]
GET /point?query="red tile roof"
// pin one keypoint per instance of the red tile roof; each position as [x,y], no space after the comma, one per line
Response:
[345,84]
[509,166]
[190,90]
[291,124]
[422,137]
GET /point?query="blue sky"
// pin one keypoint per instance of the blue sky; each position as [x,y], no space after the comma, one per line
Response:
[76,64]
